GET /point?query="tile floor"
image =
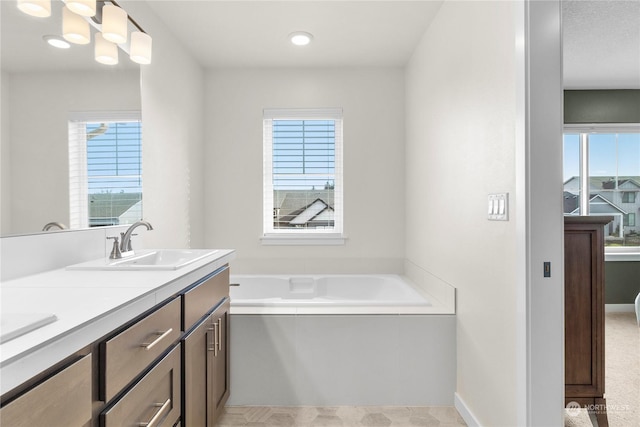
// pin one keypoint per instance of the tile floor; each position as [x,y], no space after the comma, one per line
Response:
[344,416]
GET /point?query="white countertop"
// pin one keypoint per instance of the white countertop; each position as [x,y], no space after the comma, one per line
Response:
[88,305]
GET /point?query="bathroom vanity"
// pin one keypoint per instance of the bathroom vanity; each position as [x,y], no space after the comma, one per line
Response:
[128,347]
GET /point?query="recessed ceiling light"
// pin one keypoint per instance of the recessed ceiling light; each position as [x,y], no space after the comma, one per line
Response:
[57,41]
[300,38]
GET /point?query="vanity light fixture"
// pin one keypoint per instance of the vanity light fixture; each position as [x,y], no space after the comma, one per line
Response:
[57,41]
[82,7]
[114,23]
[111,20]
[106,52]
[38,8]
[75,28]
[300,38]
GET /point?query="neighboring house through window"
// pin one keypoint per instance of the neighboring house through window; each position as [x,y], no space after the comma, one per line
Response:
[105,169]
[303,175]
[602,177]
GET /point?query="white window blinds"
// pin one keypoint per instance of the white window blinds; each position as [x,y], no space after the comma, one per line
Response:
[303,171]
[105,164]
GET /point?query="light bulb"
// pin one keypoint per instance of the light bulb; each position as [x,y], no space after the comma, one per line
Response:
[56,41]
[105,51]
[38,8]
[82,7]
[75,28]
[140,47]
[114,24]
[300,38]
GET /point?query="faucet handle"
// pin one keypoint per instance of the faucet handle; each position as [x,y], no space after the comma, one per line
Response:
[115,252]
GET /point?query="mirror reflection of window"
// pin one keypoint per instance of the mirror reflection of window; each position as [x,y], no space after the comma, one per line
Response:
[105,165]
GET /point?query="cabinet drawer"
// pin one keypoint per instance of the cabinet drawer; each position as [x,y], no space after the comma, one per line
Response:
[153,401]
[199,300]
[63,400]
[130,352]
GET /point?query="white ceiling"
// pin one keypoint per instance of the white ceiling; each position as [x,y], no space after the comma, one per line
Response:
[601,46]
[254,33]
[601,38]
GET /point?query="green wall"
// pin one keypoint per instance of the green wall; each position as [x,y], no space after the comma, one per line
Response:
[621,282]
[602,106]
[622,278]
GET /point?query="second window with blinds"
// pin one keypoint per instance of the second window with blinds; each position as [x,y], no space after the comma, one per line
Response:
[302,176]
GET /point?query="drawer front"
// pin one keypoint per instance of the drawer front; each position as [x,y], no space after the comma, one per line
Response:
[63,400]
[199,300]
[153,401]
[130,352]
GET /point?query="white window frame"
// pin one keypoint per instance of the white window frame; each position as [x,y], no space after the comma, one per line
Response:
[78,177]
[273,236]
[624,253]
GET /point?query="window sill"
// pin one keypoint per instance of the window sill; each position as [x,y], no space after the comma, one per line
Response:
[622,255]
[308,239]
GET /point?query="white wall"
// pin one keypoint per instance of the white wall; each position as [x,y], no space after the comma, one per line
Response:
[5,156]
[172,117]
[372,101]
[461,121]
[38,137]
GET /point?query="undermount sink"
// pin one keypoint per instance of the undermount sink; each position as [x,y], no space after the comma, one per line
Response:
[154,259]
[13,325]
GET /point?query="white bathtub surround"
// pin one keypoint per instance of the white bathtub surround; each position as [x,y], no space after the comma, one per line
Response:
[437,290]
[332,294]
[294,360]
[318,263]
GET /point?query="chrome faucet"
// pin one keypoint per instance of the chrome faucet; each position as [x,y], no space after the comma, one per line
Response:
[125,242]
[54,224]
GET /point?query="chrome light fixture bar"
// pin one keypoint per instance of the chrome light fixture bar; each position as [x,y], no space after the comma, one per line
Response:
[107,17]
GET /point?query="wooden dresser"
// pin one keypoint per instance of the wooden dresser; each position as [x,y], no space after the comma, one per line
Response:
[584,313]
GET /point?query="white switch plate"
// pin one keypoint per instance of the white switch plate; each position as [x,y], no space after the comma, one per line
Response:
[498,207]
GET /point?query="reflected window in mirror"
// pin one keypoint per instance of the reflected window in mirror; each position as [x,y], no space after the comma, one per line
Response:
[105,168]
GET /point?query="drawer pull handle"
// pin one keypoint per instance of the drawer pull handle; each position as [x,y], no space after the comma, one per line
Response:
[210,343]
[163,335]
[214,344]
[220,334]
[156,417]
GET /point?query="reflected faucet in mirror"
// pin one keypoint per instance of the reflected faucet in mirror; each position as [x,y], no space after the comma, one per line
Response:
[53,225]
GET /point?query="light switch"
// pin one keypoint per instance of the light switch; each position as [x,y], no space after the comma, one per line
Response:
[498,207]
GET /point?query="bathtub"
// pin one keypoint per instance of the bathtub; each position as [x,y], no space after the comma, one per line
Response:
[340,340]
[328,294]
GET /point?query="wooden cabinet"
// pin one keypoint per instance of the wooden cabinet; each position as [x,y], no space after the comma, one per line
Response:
[168,363]
[153,401]
[128,353]
[584,313]
[205,352]
[62,400]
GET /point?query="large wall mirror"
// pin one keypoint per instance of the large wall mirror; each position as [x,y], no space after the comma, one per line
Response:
[42,88]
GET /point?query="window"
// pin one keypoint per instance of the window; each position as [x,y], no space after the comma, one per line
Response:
[628,197]
[602,177]
[630,220]
[303,175]
[105,165]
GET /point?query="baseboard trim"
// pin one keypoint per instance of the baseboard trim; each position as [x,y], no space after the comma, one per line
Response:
[465,412]
[619,308]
